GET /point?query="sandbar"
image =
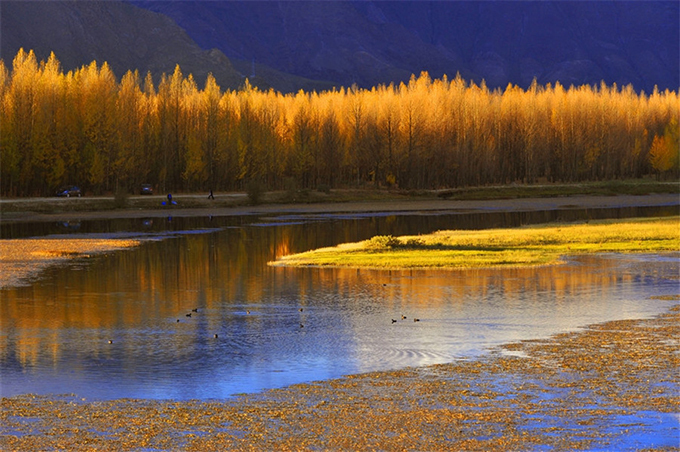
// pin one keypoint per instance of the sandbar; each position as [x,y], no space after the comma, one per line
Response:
[23,259]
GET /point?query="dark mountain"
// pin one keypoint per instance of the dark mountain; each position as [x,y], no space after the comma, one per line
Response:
[371,42]
[322,43]
[125,36]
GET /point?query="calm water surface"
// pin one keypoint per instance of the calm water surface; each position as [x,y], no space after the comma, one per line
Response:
[278,326]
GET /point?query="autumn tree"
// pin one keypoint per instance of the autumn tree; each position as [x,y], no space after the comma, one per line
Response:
[664,154]
[89,128]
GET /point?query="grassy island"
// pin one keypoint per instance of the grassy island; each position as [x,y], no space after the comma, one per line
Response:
[532,245]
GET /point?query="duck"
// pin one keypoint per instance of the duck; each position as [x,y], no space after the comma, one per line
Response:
[403,317]
[189,314]
[394,321]
[194,310]
[416,320]
[215,335]
[110,342]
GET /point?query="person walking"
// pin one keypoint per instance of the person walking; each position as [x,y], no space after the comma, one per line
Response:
[210,196]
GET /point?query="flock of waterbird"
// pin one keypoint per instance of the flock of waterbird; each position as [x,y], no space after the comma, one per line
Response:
[403,317]
[195,311]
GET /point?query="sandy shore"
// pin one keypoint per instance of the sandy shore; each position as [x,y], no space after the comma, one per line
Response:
[22,259]
[613,386]
[406,205]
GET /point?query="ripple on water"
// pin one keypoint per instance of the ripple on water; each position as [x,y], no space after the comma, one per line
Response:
[56,332]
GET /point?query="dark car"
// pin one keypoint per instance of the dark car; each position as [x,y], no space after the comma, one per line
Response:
[68,191]
[147,189]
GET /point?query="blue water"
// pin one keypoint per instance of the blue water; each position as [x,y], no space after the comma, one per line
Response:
[116,326]
[279,326]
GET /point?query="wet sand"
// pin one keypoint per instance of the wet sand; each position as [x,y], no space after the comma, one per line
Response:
[612,386]
[23,259]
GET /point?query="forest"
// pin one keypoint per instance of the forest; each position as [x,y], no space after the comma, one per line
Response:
[89,128]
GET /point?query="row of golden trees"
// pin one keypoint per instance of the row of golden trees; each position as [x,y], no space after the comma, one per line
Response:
[88,128]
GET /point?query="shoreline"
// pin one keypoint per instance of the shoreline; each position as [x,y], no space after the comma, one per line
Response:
[610,386]
[397,206]
[22,260]
[544,244]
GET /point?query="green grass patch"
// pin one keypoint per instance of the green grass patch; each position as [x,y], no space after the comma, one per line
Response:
[534,245]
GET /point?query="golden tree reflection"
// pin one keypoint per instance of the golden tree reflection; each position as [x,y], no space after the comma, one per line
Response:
[446,286]
[227,271]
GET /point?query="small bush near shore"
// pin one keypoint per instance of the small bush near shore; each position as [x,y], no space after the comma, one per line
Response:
[382,242]
[254,191]
[120,200]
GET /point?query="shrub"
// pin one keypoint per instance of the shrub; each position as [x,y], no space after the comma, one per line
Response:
[415,243]
[381,242]
[290,187]
[120,199]
[254,191]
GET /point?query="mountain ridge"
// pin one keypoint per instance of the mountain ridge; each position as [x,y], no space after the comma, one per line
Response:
[127,38]
[371,43]
[319,45]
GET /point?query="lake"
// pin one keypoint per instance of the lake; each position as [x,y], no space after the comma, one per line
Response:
[118,325]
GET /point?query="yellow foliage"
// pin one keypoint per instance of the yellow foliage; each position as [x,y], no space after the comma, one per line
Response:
[664,154]
[424,134]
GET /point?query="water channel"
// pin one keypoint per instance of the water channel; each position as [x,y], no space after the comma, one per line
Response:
[116,326]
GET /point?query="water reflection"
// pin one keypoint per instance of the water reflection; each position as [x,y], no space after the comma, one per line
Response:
[381,223]
[278,326]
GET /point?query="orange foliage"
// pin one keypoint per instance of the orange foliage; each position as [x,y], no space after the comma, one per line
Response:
[664,154]
[87,128]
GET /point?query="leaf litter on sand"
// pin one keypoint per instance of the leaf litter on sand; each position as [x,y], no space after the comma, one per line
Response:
[610,386]
[22,259]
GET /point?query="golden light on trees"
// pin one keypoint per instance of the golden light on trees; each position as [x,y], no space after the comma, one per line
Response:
[664,154]
[88,128]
